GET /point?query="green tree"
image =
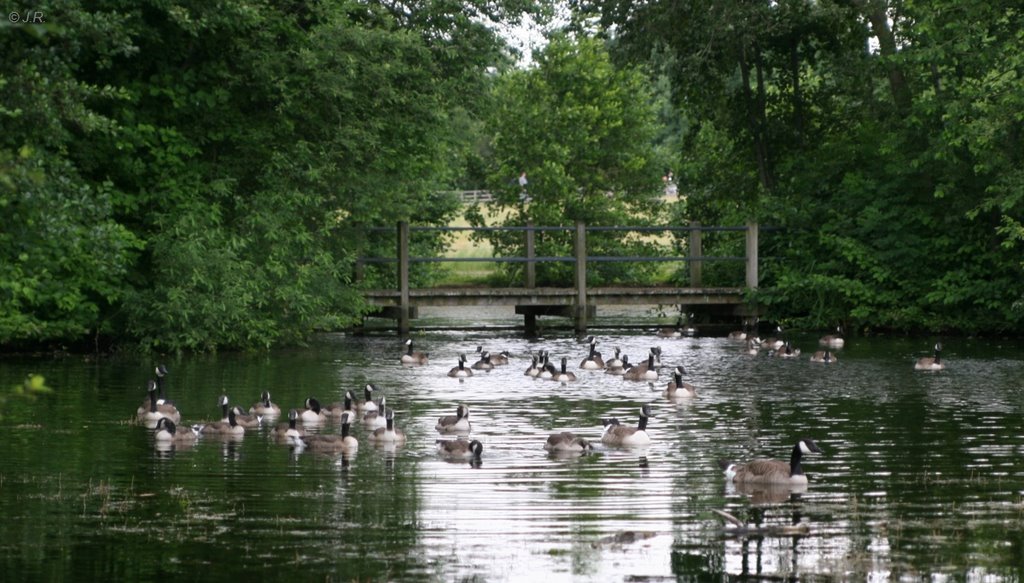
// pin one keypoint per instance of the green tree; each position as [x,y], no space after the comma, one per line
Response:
[582,131]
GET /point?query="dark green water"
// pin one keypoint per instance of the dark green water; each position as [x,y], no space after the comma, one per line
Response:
[922,475]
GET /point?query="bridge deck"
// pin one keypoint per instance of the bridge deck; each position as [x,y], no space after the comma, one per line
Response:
[488,296]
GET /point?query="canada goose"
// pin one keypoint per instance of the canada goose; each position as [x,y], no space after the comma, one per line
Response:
[567,442]
[499,359]
[677,389]
[312,413]
[167,431]
[265,407]
[547,369]
[461,371]
[534,369]
[460,448]
[161,372]
[484,363]
[656,353]
[389,433]
[673,332]
[642,372]
[229,427]
[824,356]
[458,423]
[288,431]
[773,342]
[367,404]
[787,351]
[154,412]
[593,361]
[332,443]
[690,329]
[245,420]
[752,348]
[833,341]
[167,408]
[374,419]
[622,367]
[617,434]
[768,471]
[339,409]
[931,362]
[615,361]
[564,376]
[413,357]
[741,334]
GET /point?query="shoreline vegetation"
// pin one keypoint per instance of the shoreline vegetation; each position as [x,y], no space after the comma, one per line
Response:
[207,178]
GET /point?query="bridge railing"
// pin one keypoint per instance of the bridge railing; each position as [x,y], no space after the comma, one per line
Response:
[694,256]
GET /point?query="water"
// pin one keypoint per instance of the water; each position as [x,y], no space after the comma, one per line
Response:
[922,474]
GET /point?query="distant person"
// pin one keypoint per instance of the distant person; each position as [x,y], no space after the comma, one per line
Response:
[523,196]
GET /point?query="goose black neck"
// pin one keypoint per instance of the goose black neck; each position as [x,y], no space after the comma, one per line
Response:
[224,410]
[152,401]
[650,361]
[292,421]
[160,386]
[231,417]
[795,469]
[344,430]
[391,423]
[409,349]
[642,424]
[938,359]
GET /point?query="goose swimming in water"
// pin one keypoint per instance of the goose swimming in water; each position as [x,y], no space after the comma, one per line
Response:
[770,471]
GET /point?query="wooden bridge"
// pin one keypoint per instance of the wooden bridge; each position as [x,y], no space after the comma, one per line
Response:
[579,302]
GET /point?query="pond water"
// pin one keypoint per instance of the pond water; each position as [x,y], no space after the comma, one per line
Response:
[921,475]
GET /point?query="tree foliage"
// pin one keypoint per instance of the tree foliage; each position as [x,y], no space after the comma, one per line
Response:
[884,137]
[197,175]
[582,130]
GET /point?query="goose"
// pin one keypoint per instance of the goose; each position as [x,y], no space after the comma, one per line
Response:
[458,423]
[265,407]
[769,471]
[245,420]
[499,359]
[622,367]
[931,362]
[460,371]
[460,448]
[673,332]
[833,341]
[690,329]
[566,441]
[288,431]
[773,342]
[339,409]
[615,361]
[222,402]
[824,356]
[752,348]
[547,370]
[388,433]
[332,443]
[367,404]
[617,434]
[534,369]
[169,408]
[787,351]
[564,376]
[484,363]
[642,372]
[374,419]
[677,389]
[741,334]
[593,361]
[167,431]
[229,427]
[412,357]
[151,414]
[312,413]
[656,353]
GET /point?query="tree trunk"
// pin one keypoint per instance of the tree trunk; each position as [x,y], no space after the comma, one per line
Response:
[876,11]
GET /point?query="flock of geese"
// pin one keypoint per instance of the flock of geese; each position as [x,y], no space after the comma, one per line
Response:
[378,418]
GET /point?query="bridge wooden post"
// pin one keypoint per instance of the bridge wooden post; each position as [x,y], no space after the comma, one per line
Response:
[580,319]
[403,278]
[752,259]
[531,255]
[695,250]
[530,318]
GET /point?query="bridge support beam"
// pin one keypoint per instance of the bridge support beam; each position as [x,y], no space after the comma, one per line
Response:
[580,317]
